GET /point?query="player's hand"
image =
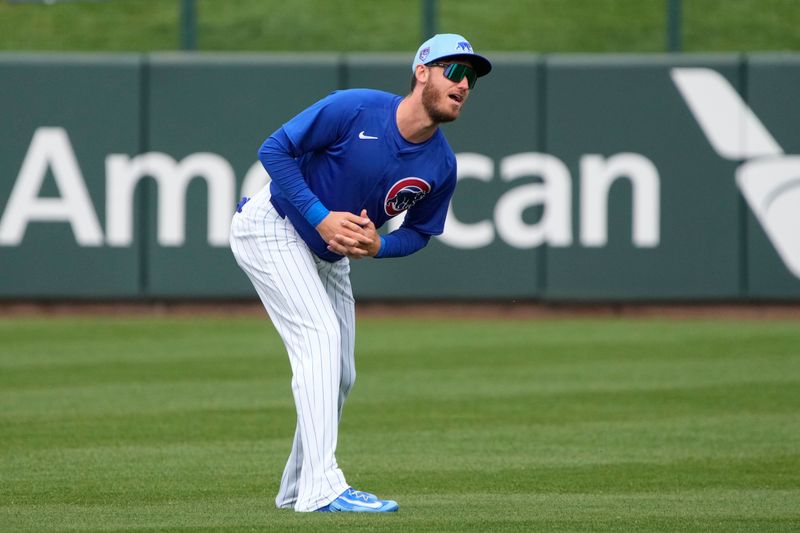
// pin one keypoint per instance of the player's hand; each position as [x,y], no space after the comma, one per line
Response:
[367,245]
[346,230]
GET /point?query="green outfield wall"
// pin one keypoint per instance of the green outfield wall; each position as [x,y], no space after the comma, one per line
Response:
[581,178]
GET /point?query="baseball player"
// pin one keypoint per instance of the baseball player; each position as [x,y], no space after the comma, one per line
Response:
[339,170]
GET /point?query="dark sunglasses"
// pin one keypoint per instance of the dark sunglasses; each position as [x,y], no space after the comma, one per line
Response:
[455,72]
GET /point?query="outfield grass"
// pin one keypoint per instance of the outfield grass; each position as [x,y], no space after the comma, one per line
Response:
[176,424]
[395,25]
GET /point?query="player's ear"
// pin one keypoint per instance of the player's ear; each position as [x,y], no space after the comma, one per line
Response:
[422,74]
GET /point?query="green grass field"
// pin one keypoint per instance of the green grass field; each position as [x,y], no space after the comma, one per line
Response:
[179,424]
[395,25]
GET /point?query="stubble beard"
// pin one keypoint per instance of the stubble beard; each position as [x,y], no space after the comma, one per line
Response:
[430,97]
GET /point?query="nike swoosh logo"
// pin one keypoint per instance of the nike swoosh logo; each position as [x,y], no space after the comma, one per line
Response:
[371,505]
[363,135]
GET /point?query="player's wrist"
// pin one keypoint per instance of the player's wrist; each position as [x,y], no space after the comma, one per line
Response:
[381,247]
[316,213]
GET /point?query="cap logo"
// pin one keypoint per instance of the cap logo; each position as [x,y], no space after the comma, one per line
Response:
[424,53]
[464,45]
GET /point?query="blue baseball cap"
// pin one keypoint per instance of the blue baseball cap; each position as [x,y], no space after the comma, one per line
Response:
[450,46]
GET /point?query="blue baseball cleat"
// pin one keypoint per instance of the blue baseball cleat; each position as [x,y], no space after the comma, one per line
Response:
[356,501]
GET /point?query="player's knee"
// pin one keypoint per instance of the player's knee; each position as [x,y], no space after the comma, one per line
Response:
[347,381]
[328,335]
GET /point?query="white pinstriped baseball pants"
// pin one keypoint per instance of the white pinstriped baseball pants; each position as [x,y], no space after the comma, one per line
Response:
[310,302]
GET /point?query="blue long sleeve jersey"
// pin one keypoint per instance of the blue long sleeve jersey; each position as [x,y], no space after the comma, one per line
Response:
[345,153]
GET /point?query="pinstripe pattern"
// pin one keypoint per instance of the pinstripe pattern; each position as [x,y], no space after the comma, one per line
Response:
[310,302]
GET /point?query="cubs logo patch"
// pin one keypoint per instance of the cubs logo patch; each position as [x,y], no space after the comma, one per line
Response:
[424,53]
[404,194]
